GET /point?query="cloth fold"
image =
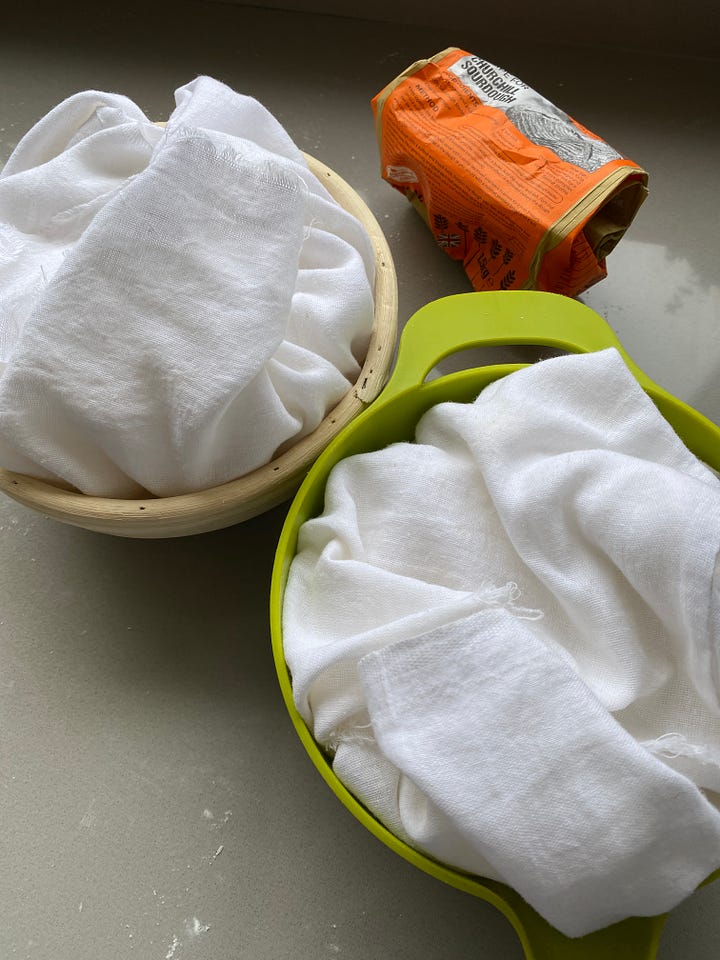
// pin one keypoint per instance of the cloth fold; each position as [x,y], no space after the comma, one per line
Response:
[175,306]
[553,549]
[536,775]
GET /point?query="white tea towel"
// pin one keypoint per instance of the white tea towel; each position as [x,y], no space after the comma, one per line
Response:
[562,496]
[63,171]
[194,303]
[509,743]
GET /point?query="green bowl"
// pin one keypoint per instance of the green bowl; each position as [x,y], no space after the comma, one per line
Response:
[437,330]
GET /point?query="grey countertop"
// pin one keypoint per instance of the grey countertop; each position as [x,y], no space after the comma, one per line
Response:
[154,799]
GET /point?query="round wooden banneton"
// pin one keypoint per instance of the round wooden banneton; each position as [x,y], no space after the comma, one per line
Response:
[269,485]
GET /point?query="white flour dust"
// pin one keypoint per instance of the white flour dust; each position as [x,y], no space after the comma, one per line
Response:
[194,927]
[172,948]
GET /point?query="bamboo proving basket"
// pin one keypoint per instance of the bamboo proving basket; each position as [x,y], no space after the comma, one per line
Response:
[269,485]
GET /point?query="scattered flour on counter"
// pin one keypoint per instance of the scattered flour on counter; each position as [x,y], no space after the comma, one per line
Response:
[89,818]
[209,815]
[172,948]
[195,927]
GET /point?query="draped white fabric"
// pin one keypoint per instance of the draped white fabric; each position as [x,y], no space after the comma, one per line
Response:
[175,305]
[507,633]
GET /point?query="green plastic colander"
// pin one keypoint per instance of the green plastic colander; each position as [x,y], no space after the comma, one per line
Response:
[437,330]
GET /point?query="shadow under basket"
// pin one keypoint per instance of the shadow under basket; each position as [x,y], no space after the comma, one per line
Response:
[267,486]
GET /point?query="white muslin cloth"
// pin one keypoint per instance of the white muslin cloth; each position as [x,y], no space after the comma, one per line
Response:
[175,305]
[508,635]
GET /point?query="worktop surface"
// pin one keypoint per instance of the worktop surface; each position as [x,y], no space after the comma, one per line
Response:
[155,801]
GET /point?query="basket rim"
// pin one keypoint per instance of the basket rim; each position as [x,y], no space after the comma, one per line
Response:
[266,486]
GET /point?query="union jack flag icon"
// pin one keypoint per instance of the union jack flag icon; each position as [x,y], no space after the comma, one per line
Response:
[448,239]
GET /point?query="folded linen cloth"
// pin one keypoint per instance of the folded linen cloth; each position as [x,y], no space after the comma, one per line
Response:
[560,781]
[558,519]
[175,306]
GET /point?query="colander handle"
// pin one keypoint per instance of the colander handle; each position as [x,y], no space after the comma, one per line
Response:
[637,938]
[464,320]
[502,318]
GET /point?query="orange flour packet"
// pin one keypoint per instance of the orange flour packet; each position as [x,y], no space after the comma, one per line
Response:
[522,194]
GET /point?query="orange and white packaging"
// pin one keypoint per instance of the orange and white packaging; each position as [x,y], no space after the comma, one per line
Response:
[522,194]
